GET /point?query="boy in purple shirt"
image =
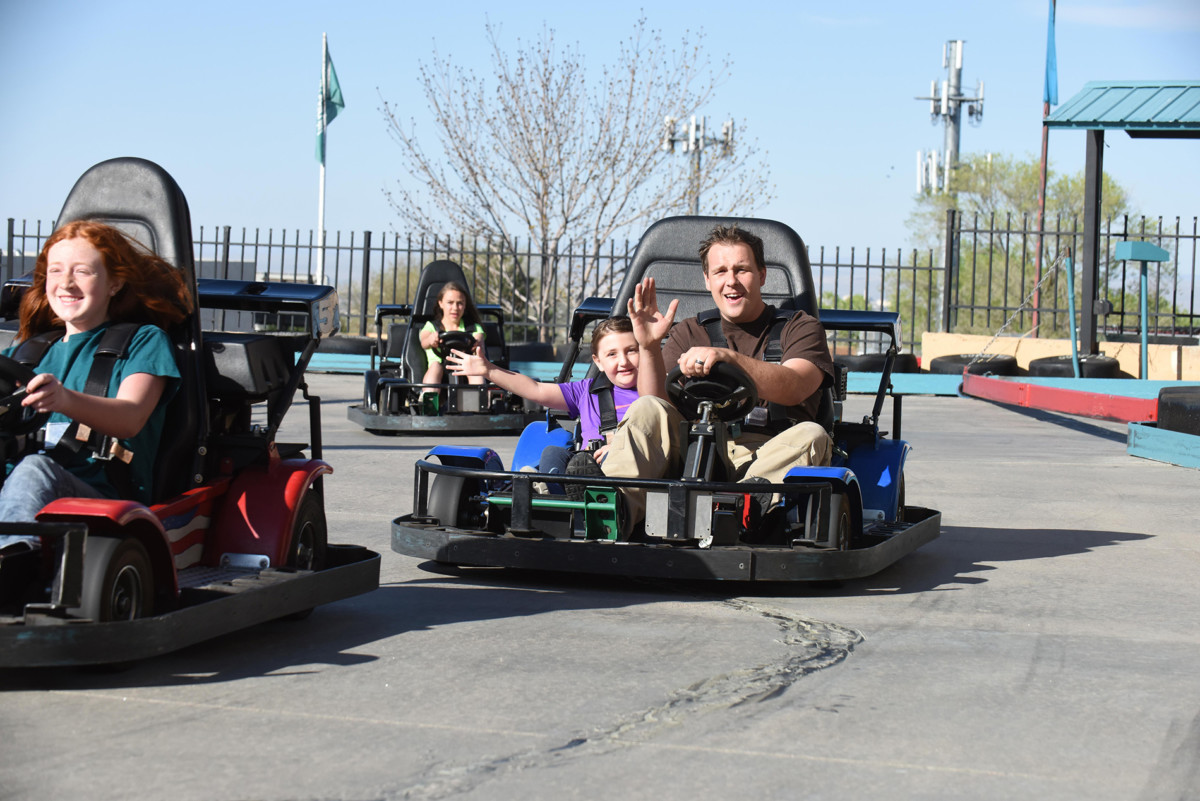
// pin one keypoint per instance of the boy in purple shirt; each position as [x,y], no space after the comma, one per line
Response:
[615,352]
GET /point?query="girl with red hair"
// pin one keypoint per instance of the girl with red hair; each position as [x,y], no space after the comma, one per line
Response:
[88,277]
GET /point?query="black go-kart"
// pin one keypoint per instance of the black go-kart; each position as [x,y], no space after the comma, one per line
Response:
[237,533]
[395,399]
[847,520]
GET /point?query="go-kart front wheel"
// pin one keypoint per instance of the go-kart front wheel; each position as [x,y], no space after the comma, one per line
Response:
[448,500]
[118,582]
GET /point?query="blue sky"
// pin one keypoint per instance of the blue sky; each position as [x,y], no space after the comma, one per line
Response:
[223,95]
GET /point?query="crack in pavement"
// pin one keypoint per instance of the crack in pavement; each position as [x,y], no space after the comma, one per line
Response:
[811,646]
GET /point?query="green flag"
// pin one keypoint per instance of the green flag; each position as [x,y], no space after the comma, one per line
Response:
[331,103]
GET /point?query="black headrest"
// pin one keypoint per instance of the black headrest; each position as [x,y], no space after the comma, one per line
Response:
[435,275]
[669,253]
[140,199]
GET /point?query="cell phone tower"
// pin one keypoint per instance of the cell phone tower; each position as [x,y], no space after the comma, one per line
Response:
[694,141]
[935,169]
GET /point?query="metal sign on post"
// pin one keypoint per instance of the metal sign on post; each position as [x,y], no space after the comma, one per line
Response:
[1143,252]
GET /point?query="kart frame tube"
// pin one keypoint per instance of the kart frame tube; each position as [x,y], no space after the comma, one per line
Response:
[416,535]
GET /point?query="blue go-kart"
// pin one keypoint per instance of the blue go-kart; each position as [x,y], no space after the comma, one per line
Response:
[847,520]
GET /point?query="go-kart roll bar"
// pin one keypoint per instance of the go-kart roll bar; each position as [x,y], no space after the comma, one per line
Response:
[319,303]
[887,324]
[592,309]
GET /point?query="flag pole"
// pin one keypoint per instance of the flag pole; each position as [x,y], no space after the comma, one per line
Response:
[320,280]
[1049,95]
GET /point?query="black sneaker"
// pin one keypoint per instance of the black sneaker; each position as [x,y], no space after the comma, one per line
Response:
[581,464]
[763,501]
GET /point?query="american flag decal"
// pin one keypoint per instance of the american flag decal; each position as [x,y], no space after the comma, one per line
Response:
[186,531]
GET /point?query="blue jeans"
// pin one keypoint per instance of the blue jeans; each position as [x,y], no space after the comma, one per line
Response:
[554,460]
[34,482]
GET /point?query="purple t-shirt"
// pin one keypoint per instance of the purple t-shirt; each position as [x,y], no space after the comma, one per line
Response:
[581,403]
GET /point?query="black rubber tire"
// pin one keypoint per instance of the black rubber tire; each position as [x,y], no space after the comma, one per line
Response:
[1092,365]
[841,535]
[346,344]
[118,582]
[310,537]
[447,499]
[994,363]
[310,534]
[1179,409]
[873,362]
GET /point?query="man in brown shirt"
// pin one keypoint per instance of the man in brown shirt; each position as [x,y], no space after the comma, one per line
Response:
[649,446]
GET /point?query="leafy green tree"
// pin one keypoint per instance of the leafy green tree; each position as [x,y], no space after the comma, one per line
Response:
[999,194]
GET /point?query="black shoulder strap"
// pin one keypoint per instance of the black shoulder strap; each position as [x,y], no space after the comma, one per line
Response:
[31,352]
[602,388]
[710,319]
[114,344]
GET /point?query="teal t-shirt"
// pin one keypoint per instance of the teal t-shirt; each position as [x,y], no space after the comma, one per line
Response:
[149,352]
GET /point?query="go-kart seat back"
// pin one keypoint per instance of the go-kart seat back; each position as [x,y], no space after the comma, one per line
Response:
[142,200]
[669,252]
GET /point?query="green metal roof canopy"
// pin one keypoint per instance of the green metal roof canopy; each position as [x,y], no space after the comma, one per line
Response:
[1143,109]
[1158,109]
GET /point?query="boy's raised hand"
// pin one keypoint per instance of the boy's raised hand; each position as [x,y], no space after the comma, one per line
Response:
[650,326]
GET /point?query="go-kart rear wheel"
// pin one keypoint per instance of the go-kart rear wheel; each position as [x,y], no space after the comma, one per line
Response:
[310,535]
[841,535]
[118,582]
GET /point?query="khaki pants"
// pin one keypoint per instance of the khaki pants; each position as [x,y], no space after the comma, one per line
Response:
[649,445]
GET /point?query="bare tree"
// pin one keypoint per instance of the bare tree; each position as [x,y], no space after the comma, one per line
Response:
[539,151]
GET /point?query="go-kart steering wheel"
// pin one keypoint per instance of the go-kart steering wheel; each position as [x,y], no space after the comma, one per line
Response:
[731,392]
[455,340]
[16,419]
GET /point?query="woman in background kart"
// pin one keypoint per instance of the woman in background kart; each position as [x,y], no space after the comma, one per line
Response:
[615,353]
[88,277]
[456,311]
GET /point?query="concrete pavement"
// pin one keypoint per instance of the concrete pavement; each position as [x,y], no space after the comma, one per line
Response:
[1046,646]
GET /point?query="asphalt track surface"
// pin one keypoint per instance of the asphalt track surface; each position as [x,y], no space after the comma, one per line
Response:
[1046,646]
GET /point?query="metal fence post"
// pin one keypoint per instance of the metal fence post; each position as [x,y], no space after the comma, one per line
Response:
[949,261]
[7,273]
[366,281]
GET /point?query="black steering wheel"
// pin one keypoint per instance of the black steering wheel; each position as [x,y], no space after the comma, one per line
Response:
[455,340]
[731,392]
[16,419]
